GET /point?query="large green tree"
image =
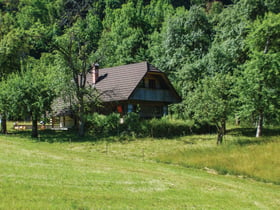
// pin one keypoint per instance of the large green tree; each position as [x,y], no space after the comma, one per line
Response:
[31,91]
[124,36]
[26,27]
[212,102]
[259,83]
[75,50]
[184,38]
[4,105]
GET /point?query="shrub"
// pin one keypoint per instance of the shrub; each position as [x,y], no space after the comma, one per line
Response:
[101,125]
[133,126]
[166,127]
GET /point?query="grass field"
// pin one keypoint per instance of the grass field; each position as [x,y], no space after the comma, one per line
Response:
[258,159]
[134,174]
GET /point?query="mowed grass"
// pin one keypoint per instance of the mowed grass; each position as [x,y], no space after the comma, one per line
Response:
[121,175]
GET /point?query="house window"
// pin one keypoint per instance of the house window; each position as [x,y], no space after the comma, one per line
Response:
[130,108]
[152,83]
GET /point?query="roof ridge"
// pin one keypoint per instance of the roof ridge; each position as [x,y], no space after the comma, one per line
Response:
[125,65]
[152,68]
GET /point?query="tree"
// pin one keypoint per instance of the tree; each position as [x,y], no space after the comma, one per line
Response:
[74,50]
[25,28]
[231,29]
[218,61]
[155,13]
[272,5]
[212,102]
[31,91]
[184,38]
[259,84]
[13,50]
[4,106]
[124,36]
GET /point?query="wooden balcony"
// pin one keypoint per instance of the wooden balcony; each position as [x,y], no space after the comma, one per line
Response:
[159,95]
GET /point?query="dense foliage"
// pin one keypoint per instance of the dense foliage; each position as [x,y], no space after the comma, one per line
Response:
[222,56]
[133,126]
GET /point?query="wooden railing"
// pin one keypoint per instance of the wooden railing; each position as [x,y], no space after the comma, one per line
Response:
[148,94]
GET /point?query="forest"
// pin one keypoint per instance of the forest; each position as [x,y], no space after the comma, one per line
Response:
[222,56]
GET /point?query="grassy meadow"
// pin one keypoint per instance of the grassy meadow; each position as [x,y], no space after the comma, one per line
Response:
[239,155]
[189,172]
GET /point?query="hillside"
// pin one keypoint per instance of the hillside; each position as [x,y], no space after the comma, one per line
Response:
[119,175]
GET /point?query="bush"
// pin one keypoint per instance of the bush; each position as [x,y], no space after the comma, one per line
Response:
[133,126]
[166,127]
[101,125]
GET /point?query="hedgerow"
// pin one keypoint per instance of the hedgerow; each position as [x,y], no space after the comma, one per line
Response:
[132,125]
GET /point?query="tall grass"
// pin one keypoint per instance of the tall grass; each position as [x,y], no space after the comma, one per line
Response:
[243,156]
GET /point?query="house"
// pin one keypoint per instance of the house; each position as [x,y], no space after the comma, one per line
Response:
[138,87]
[134,87]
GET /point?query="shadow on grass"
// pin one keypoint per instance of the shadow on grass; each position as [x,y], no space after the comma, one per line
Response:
[248,132]
[251,132]
[70,136]
[52,136]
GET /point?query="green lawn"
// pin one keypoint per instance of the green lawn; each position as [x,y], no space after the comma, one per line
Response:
[121,175]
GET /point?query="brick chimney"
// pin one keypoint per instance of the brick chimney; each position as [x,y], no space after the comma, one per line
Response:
[95,72]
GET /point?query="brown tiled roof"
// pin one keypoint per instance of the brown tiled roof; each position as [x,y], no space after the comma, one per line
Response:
[117,83]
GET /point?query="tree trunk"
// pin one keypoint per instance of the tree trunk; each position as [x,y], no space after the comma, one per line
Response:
[34,133]
[224,127]
[260,120]
[81,124]
[237,120]
[221,132]
[219,138]
[4,124]
[81,117]
[260,125]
